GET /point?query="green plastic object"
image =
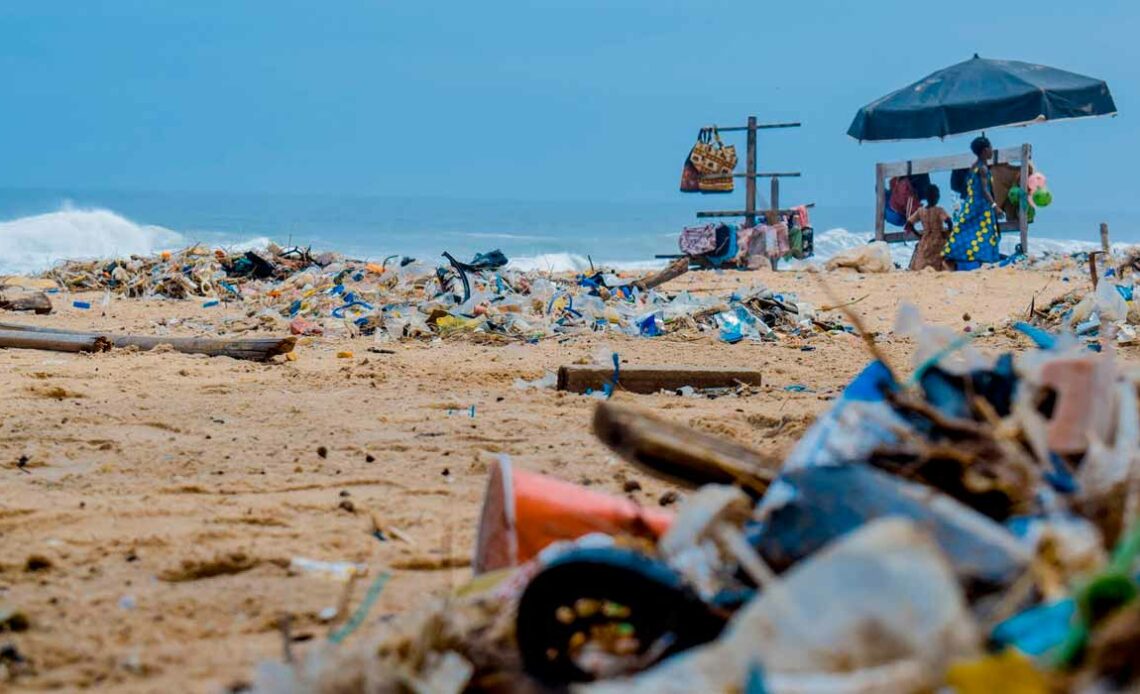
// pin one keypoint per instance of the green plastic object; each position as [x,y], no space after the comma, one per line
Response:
[1015,194]
[1042,197]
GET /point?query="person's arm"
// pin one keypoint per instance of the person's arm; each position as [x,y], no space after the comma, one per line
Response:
[987,187]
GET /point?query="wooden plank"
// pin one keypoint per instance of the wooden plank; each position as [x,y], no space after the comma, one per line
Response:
[1105,246]
[651,379]
[680,453]
[880,200]
[759,126]
[901,236]
[946,163]
[25,301]
[1023,216]
[257,349]
[750,174]
[760,174]
[53,342]
[741,213]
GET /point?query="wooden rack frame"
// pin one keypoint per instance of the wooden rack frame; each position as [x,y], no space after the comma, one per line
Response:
[1022,155]
[750,211]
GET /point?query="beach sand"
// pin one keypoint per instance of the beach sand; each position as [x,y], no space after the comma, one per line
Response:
[149,536]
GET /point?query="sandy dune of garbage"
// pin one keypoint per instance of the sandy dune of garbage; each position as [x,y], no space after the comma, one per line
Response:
[148,538]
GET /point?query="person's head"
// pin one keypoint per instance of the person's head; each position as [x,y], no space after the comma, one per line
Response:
[933,195]
[982,148]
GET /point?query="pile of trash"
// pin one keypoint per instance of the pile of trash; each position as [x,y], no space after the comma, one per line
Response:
[971,526]
[404,298]
[1109,307]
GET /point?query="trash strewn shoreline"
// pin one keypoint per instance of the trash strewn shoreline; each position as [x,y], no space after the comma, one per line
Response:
[210,498]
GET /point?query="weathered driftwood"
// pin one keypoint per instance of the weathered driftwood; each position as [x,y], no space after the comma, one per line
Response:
[671,272]
[11,300]
[681,453]
[258,349]
[53,342]
[651,379]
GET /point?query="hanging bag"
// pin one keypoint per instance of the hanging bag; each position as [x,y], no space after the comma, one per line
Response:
[715,162]
[690,176]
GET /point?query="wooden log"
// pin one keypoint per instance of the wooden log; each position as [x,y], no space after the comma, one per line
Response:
[651,379]
[25,301]
[53,342]
[256,349]
[671,272]
[1104,243]
[680,453]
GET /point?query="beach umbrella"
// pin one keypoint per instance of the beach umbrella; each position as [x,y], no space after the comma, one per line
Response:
[978,94]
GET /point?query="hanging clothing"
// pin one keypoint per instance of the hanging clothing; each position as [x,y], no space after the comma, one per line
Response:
[928,251]
[905,197]
[975,235]
[698,240]
[801,215]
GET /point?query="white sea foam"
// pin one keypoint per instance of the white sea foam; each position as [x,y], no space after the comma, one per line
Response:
[34,243]
[31,244]
[572,262]
[832,241]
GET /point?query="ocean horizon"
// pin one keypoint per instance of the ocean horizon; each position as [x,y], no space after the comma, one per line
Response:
[40,227]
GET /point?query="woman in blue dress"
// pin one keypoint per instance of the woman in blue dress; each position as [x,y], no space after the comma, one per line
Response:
[975,235]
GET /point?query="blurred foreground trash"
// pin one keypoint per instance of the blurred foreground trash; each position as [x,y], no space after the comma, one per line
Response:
[962,527]
[524,512]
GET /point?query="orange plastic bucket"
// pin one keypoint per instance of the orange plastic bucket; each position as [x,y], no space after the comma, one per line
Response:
[523,512]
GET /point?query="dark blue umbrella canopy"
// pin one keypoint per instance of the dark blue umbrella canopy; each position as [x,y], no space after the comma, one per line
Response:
[979,94]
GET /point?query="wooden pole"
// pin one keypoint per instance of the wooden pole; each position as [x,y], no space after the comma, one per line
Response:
[880,199]
[1023,211]
[750,181]
[1104,244]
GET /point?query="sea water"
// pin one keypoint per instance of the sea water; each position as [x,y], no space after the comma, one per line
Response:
[41,227]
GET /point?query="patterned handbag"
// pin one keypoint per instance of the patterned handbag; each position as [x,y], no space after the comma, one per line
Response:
[690,176]
[713,159]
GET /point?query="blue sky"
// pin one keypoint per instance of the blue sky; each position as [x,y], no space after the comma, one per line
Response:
[592,100]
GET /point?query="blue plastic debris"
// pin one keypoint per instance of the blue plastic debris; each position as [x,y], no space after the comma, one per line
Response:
[1036,631]
[650,325]
[807,508]
[1042,338]
[81,304]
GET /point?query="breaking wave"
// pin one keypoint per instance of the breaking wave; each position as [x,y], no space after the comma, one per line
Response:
[32,244]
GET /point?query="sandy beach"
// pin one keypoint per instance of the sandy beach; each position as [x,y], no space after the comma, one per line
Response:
[149,535]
